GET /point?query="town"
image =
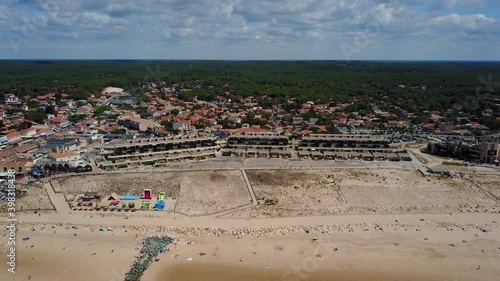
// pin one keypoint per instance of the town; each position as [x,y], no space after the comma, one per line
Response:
[117,162]
[111,131]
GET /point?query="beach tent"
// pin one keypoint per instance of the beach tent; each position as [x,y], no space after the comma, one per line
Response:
[113,197]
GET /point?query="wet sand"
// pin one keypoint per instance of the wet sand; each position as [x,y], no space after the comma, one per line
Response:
[222,273]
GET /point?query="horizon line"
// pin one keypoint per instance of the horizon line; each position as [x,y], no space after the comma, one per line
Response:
[262,60]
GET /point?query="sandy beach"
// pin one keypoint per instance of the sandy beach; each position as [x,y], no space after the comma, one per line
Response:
[458,238]
[388,255]
[442,247]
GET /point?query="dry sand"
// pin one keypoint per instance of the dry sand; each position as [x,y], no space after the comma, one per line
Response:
[197,193]
[211,192]
[64,257]
[434,249]
[410,246]
[34,199]
[392,255]
[304,193]
[367,191]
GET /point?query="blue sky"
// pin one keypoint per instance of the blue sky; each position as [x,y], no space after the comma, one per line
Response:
[250,29]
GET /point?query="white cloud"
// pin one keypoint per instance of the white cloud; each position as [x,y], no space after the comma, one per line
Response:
[466,22]
[292,24]
[452,4]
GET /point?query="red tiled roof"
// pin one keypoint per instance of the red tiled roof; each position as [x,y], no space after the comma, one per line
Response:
[28,130]
[12,135]
[7,153]
[25,148]
[16,162]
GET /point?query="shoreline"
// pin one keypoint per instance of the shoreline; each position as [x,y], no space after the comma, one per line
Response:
[371,244]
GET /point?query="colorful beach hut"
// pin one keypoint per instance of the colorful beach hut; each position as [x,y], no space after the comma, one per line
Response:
[146,205]
[162,196]
[148,194]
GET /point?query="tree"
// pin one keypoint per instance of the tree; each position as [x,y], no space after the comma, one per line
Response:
[100,110]
[76,117]
[36,116]
[120,131]
[168,125]
[201,124]
[50,110]
[174,112]
[23,126]
[126,107]
[331,129]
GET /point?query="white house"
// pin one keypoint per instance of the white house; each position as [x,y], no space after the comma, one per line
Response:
[28,132]
[70,157]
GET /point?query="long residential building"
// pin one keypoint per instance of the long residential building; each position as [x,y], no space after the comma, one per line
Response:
[345,141]
[344,147]
[316,146]
[155,151]
[258,144]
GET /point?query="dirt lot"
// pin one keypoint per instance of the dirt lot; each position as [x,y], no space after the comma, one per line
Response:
[366,192]
[489,184]
[32,198]
[211,192]
[132,183]
[425,158]
[197,193]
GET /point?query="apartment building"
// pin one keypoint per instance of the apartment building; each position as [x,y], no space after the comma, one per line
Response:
[138,124]
[155,151]
[345,147]
[257,145]
[489,152]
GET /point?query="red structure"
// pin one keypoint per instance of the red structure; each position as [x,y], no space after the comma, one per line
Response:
[148,194]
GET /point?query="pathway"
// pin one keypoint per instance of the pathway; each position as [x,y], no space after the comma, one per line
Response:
[57,199]
[249,186]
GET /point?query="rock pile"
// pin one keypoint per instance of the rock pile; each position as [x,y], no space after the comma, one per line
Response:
[149,251]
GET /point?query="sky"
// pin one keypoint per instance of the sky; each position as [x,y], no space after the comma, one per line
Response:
[251,29]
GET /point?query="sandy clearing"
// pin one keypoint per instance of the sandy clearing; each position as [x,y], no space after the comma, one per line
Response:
[364,191]
[35,199]
[212,192]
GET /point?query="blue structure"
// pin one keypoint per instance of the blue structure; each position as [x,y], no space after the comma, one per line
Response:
[129,197]
[160,205]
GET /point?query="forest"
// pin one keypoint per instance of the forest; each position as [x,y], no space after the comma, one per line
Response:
[414,86]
